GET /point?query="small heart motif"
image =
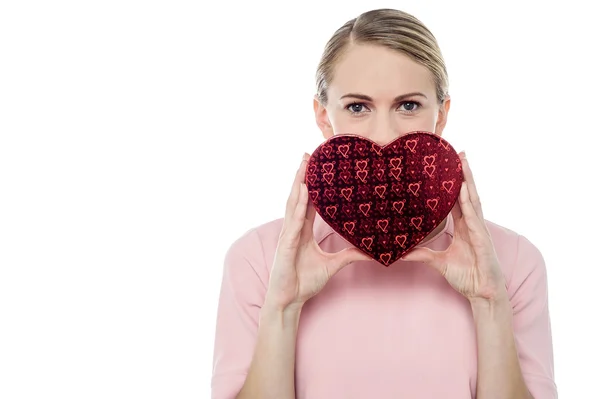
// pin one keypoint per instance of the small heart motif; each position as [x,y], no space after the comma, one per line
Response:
[384,199]
[347,209]
[330,210]
[383,224]
[347,192]
[429,170]
[346,176]
[328,177]
[432,203]
[361,148]
[447,185]
[399,205]
[380,190]
[313,195]
[376,149]
[395,162]
[344,149]
[362,175]
[385,258]
[365,208]
[401,239]
[328,167]
[396,172]
[414,188]
[361,165]
[349,227]
[417,222]
[330,193]
[429,159]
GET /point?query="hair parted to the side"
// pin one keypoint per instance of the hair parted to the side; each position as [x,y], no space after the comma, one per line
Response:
[393,29]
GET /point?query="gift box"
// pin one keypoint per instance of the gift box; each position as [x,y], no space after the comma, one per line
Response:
[384,200]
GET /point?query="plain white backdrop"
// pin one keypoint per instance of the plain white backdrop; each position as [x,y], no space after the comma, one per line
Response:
[136,143]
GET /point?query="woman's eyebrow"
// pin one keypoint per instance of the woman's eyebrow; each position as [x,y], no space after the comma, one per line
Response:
[367,98]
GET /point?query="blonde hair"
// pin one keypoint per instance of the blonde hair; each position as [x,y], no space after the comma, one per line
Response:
[394,29]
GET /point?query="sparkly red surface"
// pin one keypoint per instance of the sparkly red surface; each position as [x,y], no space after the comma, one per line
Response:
[384,199]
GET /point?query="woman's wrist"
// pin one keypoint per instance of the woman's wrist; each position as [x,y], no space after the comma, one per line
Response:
[274,311]
[496,295]
[494,309]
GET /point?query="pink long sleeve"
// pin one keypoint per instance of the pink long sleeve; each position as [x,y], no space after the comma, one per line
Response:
[242,295]
[528,291]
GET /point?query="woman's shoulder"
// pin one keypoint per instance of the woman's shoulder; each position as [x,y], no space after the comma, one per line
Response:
[519,257]
[263,233]
[509,241]
[256,245]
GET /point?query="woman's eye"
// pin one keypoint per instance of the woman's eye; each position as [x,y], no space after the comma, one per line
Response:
[356,108]
[410,106]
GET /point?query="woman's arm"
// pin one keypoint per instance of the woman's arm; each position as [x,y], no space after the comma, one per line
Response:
[300,270]
[514,341]
[499,373]
[271,373]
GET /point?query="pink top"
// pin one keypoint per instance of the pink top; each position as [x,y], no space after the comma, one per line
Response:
[376,332]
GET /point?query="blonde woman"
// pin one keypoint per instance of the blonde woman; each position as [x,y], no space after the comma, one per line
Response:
[304,315]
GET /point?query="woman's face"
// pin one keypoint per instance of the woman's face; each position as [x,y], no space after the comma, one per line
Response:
[380,94]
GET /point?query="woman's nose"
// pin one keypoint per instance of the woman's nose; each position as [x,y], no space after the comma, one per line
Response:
[384,132]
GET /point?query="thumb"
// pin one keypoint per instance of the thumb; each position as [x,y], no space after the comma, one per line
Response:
[346,256]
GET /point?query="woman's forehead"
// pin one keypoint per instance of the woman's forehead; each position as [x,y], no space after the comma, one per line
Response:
[371,69]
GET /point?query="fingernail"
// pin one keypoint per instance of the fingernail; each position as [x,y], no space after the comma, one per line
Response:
[463,155]
[305,157]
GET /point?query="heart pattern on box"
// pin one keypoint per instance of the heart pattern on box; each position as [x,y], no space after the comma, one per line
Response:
[384,200]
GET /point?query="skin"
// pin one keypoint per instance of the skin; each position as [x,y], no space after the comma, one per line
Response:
[371,95]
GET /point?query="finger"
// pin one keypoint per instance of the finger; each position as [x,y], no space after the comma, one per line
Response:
[311,212]
[343,258]
[472,219]
[427,256]
[309,222]
[468,173]
[293,197]
[456,212]
[299,215]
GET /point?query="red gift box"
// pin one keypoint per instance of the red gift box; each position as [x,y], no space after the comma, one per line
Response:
[384,199]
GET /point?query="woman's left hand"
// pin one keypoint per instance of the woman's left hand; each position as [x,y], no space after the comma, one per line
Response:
[470,263]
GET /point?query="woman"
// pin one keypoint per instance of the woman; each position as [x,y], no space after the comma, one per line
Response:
[304,315]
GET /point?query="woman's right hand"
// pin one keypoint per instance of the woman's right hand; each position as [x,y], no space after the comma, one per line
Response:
[301,269]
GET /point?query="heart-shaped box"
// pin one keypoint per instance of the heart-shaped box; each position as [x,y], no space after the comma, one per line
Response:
[384,200]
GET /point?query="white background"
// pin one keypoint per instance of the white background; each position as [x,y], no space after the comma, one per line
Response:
[133,151]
